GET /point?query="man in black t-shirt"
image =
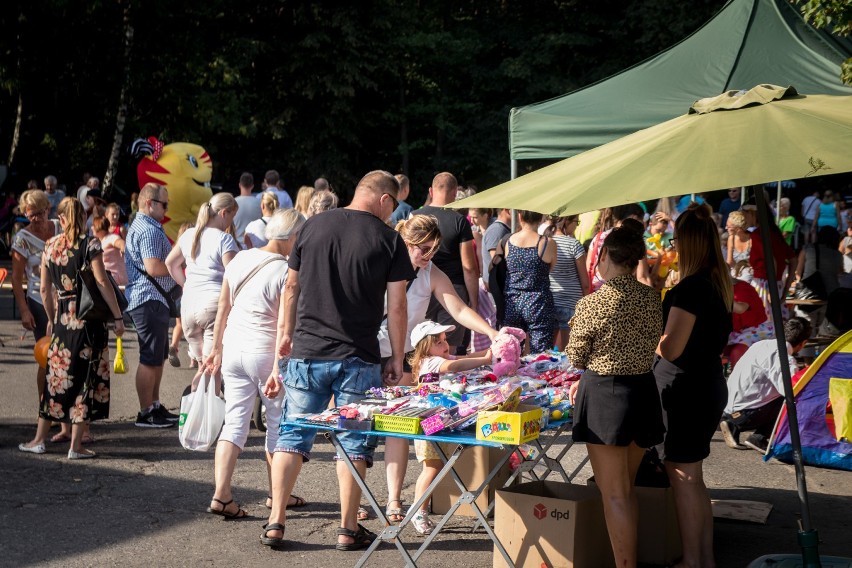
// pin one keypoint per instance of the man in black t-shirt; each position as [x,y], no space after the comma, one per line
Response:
[455,257]
[341,266]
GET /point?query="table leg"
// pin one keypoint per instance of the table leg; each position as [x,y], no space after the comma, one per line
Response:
[390,533]
[467,497]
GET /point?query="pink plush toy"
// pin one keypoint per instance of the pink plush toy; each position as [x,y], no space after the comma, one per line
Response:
[506,350]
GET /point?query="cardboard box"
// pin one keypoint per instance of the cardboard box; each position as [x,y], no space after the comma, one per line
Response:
[659,532]
[509,427]
[550,524]
[472,467]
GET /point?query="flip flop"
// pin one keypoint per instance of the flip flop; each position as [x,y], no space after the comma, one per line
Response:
[60,437]
[272,541]
[299,502]
[238,514]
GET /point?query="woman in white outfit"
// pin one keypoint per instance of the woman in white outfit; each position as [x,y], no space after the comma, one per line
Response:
[422,238]
[256,230]
[249,322]
[206,249]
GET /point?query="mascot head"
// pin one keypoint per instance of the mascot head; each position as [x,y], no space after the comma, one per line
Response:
[184,169]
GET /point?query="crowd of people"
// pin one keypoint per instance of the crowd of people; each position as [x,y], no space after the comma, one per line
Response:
[299,303]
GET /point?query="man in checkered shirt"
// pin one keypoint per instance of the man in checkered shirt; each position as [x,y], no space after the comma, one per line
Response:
[146,249]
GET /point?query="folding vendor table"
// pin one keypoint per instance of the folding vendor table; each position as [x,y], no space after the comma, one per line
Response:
[391,532]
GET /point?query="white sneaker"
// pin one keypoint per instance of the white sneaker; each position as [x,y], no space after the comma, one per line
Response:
[422,523]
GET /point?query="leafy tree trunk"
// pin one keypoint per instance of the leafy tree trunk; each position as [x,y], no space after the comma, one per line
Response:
[16,134]
[121,115]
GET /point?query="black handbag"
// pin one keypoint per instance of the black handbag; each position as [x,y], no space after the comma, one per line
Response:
[812,287]
[171,297]
[91,305]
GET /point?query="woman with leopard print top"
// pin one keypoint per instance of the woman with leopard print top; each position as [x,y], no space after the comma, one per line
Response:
[616,406]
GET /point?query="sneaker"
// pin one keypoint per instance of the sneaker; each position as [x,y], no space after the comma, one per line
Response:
[153,419]
[422,523]
[174,360]
[731,435]
[757,442]
[161,410]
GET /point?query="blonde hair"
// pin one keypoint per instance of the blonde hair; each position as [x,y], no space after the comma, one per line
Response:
[420,229]
[322,201]
[303,199]
[35,198]
[220,202]
[421,352]
[737,219]
[269,200]
[75,219]
[699,249]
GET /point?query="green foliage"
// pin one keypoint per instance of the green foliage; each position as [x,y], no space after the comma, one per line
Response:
[319,88]
[834,16]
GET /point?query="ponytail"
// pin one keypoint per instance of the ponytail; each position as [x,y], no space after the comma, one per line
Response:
[75,219]
[217,203]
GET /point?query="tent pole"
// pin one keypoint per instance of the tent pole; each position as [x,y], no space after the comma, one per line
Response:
[808,537]
[778,204]
[513,173]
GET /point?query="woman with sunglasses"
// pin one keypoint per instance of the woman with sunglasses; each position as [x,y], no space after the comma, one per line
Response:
[422,238]
[27,246]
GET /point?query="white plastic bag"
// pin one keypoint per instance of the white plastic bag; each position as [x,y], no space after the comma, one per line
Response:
[202,414]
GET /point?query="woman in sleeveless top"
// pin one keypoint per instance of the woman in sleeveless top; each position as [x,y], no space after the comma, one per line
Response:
[739,239]
[828,214]
[113,247]
[422,238]
[529,302]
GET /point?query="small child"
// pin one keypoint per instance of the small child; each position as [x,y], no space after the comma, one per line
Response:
[430,358]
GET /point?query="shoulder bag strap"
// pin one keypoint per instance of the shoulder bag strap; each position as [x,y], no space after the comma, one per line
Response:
[252,273]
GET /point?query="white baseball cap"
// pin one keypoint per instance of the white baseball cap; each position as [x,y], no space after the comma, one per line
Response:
[428,327]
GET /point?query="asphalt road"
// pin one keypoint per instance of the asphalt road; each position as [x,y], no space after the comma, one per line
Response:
[142,501]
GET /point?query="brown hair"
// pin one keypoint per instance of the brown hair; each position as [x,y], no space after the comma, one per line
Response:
[699,249]
[625,246]
[100,224]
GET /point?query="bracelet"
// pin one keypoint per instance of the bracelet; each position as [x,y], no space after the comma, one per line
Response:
[118,319]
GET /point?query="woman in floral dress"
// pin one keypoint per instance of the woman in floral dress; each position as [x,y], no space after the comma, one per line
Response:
[77,389]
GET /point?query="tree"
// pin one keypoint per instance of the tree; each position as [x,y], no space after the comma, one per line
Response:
[835,16]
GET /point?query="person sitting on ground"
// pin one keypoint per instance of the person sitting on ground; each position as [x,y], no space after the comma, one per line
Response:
[756,390]
[749,320]
[430,359]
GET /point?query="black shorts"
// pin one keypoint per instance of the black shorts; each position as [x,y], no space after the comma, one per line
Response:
[152,330]
[40,317]
[692,407]
[615,410]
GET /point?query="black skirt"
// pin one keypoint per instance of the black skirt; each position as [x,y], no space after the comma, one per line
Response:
[615,410]
[692,407]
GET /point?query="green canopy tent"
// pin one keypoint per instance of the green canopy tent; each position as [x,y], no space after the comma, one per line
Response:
[747,43]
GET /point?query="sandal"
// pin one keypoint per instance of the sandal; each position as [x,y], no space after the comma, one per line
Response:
[271,540]
[60,437]
[394,514]
[363,514]
[238,514]
[299,502]
[363,538]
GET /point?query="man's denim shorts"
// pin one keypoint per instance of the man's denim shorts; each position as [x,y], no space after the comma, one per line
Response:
[308,387]
[563,316]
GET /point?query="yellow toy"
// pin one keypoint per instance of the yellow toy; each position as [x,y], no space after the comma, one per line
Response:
[184,169]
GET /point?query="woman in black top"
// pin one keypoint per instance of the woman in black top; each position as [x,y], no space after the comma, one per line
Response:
[696,322]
